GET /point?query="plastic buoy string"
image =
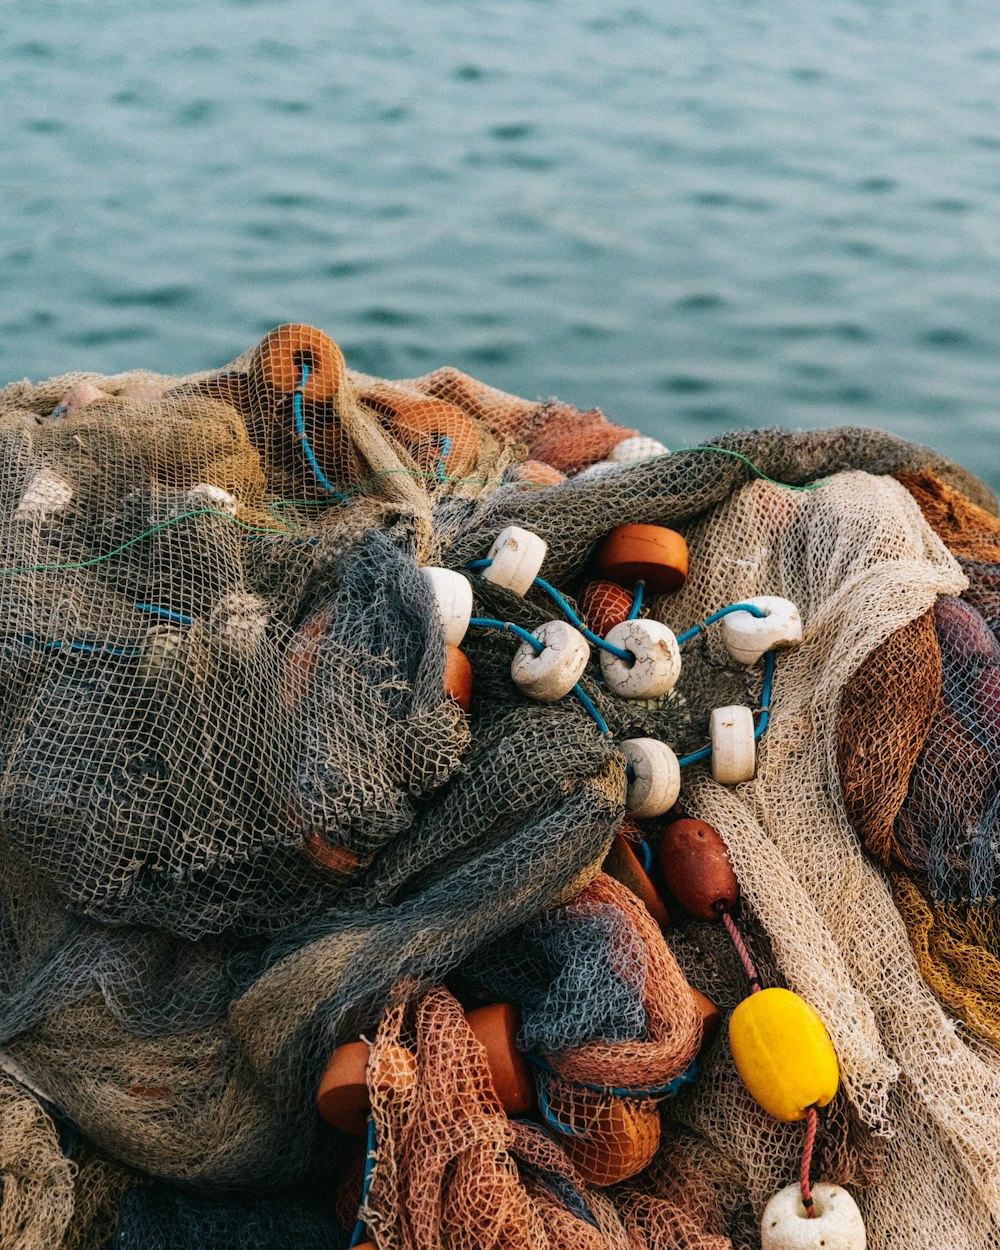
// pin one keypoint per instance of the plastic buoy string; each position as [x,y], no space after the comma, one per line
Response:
[444,443]
[300,434]
[749,967]
[705,753]
[688,634]
[636,607]
[656,1092]
[370,1155]
[167,614]
[484,622]
[805,1188]
[574,619]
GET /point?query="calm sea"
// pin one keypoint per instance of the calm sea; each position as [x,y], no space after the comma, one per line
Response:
[694,216]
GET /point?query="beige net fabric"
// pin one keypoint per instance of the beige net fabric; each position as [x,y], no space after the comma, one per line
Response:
[241,821]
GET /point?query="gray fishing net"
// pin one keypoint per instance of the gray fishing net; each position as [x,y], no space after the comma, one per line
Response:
[243,822]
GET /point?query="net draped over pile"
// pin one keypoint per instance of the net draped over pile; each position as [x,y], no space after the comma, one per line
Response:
[241,822]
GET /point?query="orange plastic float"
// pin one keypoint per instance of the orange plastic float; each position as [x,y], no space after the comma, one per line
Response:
[603,605]
[711,1018]
[458,677]
[343,1092]
[618,1137]
[649,553]
[329,856]
[343,1099]
[301,658]
[278,359]
[495,1027]
[623,864]
[442,439]
[697,868]
[536,473]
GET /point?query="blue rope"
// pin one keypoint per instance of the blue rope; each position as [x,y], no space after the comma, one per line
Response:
[636,608]
[574,619]
[765,711]
[444,441]
[105,648]
[717,616]
[647,855]
[592,712]
[667,1090]
[548,1115]
[167,614]
[359,1227]
[485,622]
[300,434]
[765,695]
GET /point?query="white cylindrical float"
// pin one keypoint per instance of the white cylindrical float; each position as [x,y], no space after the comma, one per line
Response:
[453,595]
[734,750]
[656,780]
[747,637]
[656,662]
[551,673]
[516,557]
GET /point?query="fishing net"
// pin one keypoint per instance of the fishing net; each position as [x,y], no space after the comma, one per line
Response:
[242,822]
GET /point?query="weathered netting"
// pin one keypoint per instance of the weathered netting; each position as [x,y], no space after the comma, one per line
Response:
[241,822]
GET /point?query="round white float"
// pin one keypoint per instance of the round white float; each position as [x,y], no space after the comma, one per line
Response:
[205,495]
[837,1224]
[632,450]
[517,556]
[549,674]
[655,667]
[453,596]
[747,637]
[656,780]
[46,495]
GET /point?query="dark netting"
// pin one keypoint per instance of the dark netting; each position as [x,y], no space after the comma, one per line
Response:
[243,820]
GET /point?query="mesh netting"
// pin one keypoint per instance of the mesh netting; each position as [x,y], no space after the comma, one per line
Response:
[242,822]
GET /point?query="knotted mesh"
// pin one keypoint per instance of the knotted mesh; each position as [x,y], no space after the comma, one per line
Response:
[242,822]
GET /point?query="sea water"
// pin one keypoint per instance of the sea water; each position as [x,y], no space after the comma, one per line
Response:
[693,216]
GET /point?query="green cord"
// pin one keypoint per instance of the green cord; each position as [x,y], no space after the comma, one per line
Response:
[738,455]
[291,530]
[85,564]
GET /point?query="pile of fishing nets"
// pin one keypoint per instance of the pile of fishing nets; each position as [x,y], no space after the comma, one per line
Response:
[298,798]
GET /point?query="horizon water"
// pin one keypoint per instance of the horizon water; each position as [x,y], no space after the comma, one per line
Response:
[694,219]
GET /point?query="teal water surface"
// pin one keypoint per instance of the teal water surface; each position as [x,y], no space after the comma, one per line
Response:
[695,217]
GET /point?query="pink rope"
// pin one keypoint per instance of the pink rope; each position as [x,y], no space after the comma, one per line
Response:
[742,951]
[804,1170]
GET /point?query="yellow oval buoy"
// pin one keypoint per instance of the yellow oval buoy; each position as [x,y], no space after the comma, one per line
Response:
[783,1053]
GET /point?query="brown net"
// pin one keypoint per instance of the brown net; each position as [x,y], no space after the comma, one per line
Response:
[242,821]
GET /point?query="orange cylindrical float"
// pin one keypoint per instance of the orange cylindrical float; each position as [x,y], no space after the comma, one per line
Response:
[495,1027]
[697,868]
[623,864]
[458,677]
[440,437]
[711,1017]
[277,363]
[343,1099]
[329,856]
[612,1138]
[648,553]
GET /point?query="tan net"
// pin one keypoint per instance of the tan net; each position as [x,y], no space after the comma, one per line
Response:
[242,822]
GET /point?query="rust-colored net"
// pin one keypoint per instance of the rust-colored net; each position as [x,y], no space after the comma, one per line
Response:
[243,822]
